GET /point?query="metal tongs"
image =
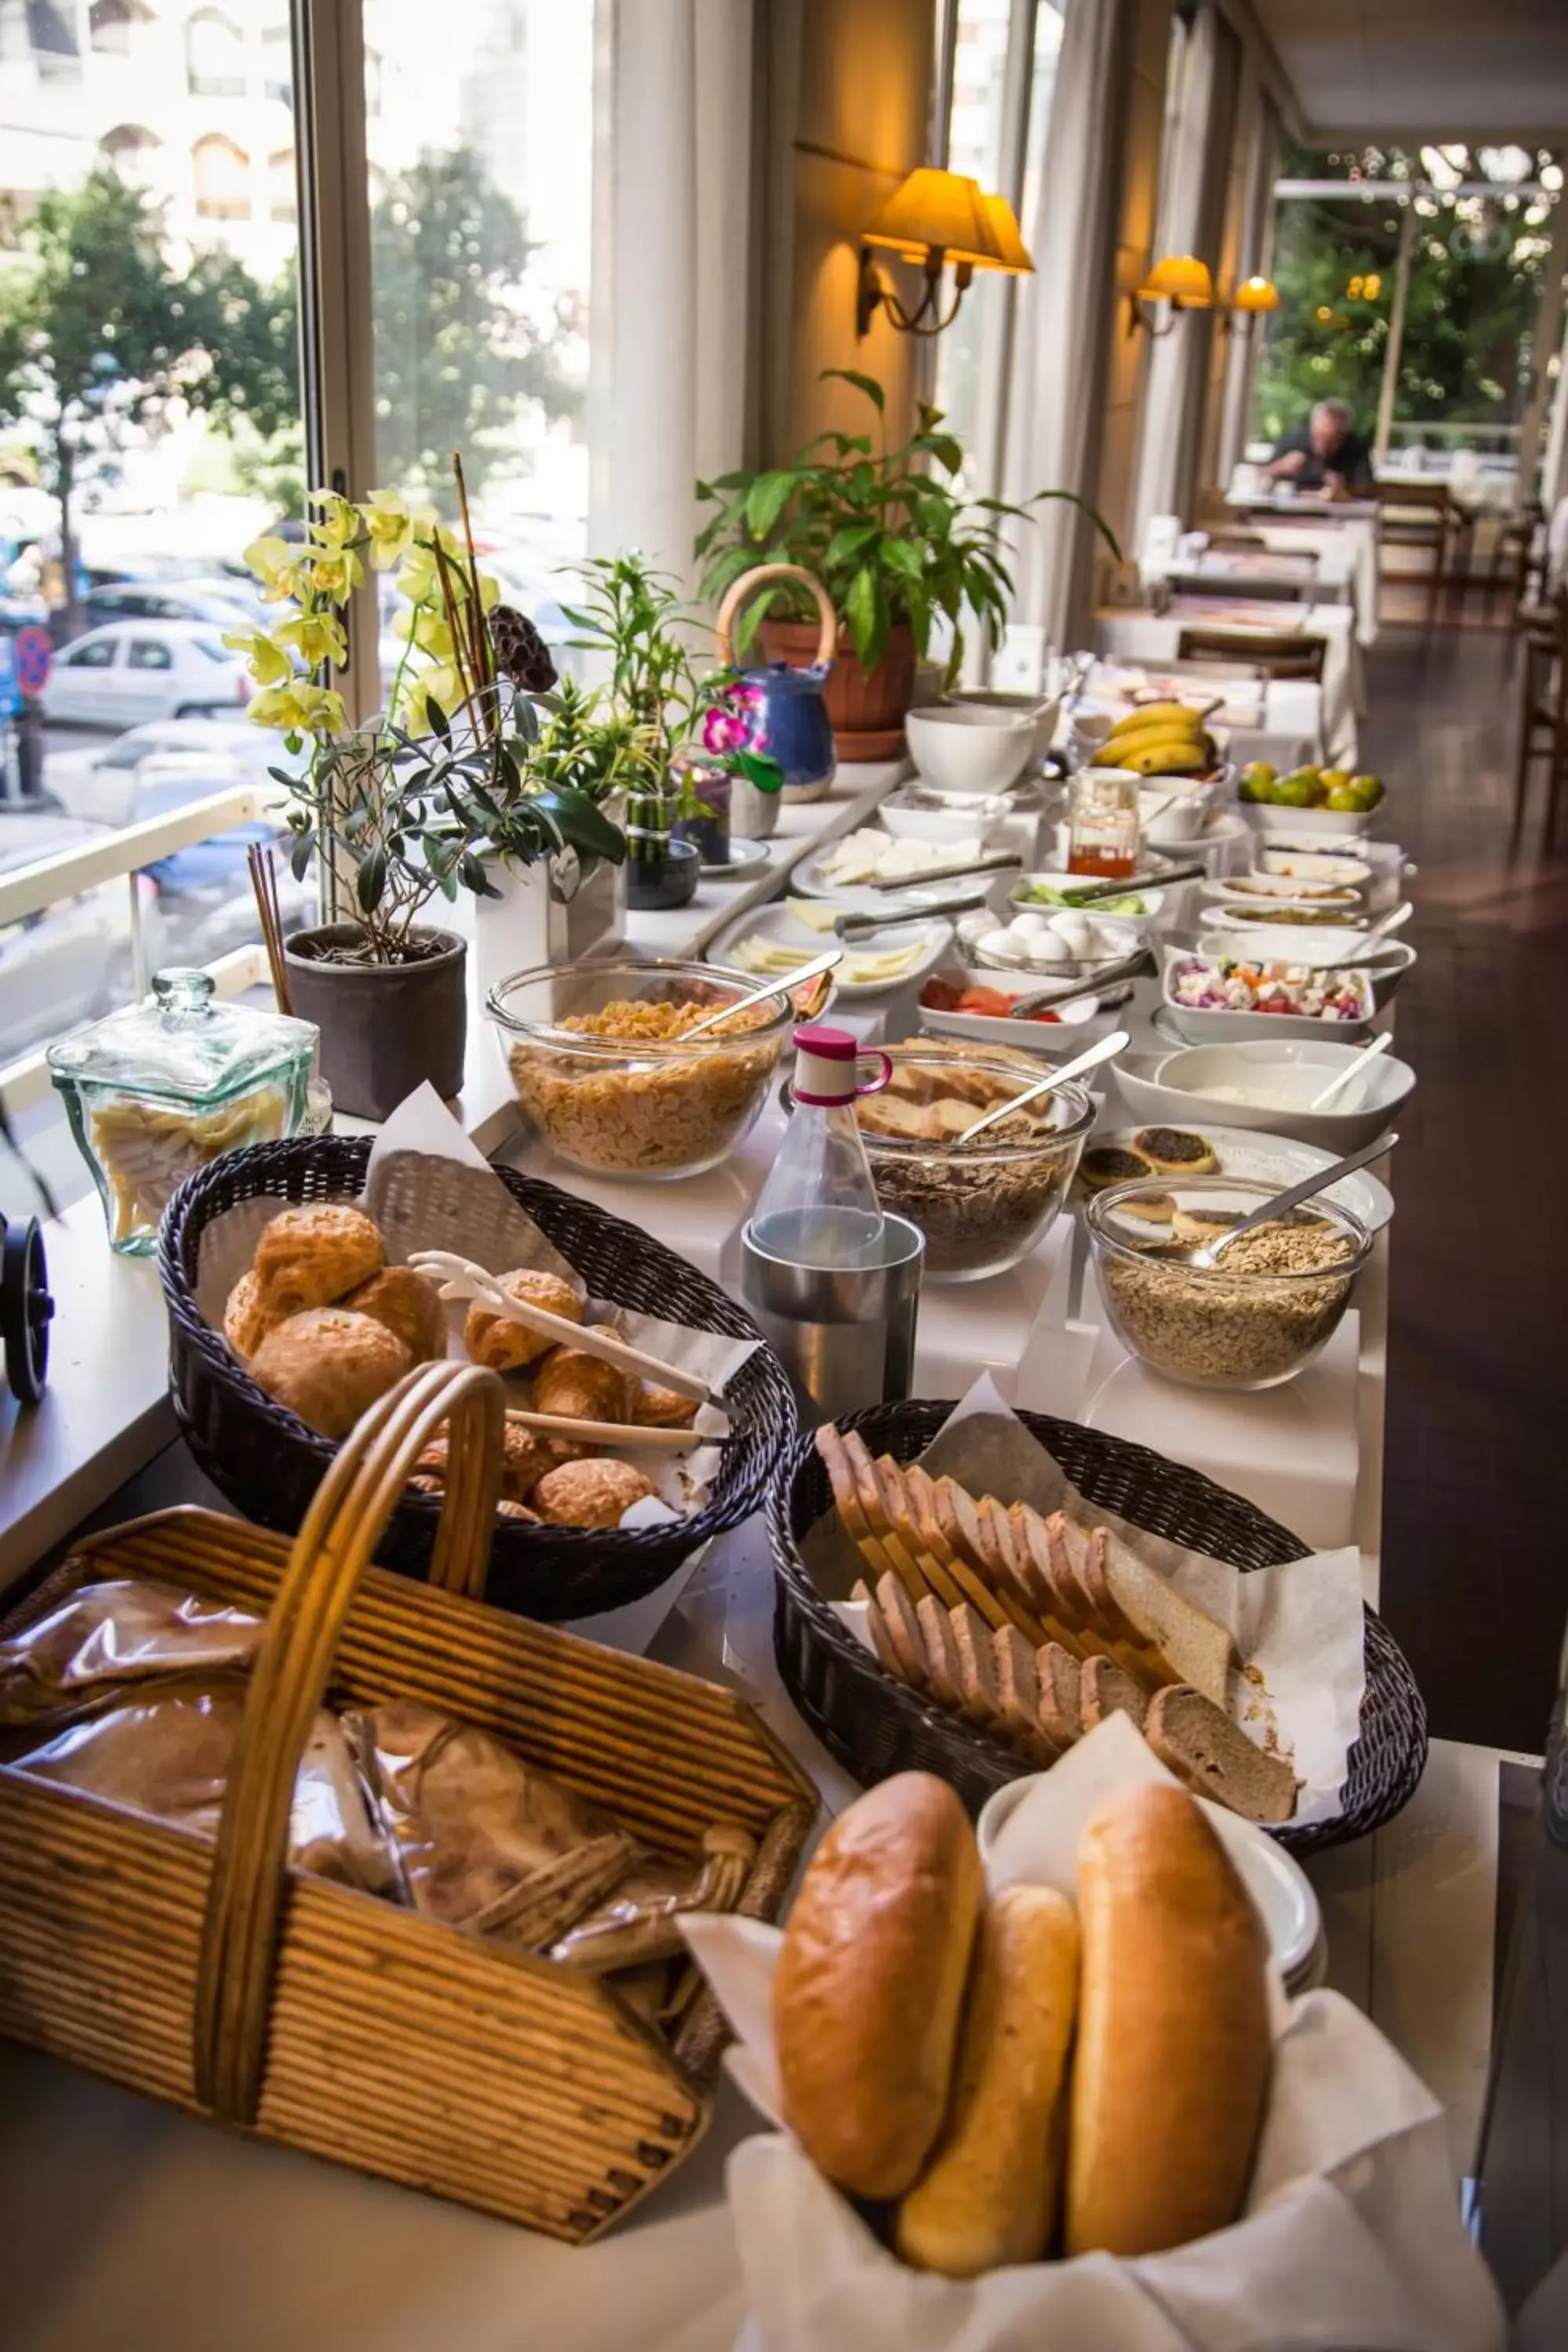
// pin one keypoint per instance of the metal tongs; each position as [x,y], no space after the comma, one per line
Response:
[997,861]
[856,927]
[1089,892]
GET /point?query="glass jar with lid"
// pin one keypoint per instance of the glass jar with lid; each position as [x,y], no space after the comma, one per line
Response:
[161,1087]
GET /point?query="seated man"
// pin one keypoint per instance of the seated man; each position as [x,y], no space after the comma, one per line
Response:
[1325,454]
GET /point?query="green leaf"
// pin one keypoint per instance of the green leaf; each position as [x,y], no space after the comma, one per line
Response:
[583,823]
[866,384]
[372,880]
[439,720]
[902,555]
[851,542]
[766,500]
[299,851]
[860,611]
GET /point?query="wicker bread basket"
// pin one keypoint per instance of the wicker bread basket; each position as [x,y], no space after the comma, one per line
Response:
[267,1463]
[213,1974]
[877,1726]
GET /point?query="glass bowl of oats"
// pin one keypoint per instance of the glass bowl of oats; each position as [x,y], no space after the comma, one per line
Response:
[1271,1302]
[982,1206]
[603,1067]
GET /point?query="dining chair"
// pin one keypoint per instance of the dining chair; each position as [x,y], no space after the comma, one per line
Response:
[1424,516]
[1544,713]
[1272,658]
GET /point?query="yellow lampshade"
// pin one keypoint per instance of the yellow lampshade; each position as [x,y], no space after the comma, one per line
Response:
[1179,278]
[1005,228]
[1255,294]
[940,209]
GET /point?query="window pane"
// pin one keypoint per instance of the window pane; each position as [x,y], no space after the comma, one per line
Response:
[481,150]
[147,170]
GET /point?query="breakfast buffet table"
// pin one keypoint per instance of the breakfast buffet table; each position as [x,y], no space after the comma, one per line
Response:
[126,2224]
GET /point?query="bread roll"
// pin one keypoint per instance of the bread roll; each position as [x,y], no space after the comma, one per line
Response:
[869,1983]
[309,1257]
[596,1494]
[409,1305]
[246,1322]
[990,2194]
[580,1387]
[1173,2062]
[329,1367]
[508,1347]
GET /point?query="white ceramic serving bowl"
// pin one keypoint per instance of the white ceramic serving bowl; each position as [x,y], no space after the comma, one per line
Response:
[1322,948]
[1176,807]
[1218,1025]
[1135,926]
[1042,709]
[965,747]
[1179,1092]
[1275,1880]
[1308,824]
[982,812]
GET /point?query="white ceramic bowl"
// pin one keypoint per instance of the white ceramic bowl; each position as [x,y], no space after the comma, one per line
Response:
[1308,824]
[1135,926]
[963,747]
[980,814]
[1043,710]
[1219,1025]
[1180,1090]
[1303,943]
[1176,807]
[1077,1018]
[1275,1880]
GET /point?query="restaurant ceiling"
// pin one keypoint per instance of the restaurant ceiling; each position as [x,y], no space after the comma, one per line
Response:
[1390,69]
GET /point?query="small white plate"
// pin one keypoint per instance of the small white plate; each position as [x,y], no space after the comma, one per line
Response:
[1316,865]
[808,881]
[776,922]
[1275,1880]
[745,857]
[1266,1159]
[1260,890]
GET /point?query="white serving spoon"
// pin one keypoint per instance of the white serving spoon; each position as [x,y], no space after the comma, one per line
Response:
[460,1278]
[1378,1045]
[1105,1051]
[1373,938]
[780,987]
[1208,1252]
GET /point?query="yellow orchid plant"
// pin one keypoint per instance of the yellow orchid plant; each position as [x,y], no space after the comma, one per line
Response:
[418,802]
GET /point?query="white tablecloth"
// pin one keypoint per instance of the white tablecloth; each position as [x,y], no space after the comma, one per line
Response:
[1146,636]
[1351,524]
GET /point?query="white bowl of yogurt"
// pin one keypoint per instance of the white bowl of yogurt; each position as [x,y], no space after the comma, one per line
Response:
[1266,1086]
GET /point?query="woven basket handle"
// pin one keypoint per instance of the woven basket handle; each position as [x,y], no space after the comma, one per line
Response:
[288,1678]
[737,592]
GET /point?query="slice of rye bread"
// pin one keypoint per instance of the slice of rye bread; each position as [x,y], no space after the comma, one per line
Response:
[1058,1675]
[1195,1648]
[941,1654]
[1083,1551]
[1213,1757]
[1109,1689]
[896,1612]
[1019,1695]
[976,1666]
[1007,1568]
[905,1529]
[845,1501]
[1059,1611]
[876,1626]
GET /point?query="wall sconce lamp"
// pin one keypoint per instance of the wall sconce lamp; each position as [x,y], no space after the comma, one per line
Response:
[1181,282]
[1255,294]
[932,218]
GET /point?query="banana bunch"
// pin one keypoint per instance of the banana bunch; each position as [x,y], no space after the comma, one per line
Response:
[1159,739]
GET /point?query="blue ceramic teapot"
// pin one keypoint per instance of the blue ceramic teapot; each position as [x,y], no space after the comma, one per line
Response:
[777,709]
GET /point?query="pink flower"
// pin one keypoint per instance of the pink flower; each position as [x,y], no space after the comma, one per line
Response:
[725,730]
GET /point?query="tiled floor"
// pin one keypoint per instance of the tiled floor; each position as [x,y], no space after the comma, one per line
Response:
[1476,1505]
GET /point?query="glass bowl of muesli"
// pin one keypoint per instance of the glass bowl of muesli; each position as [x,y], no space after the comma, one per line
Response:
[1271,1301]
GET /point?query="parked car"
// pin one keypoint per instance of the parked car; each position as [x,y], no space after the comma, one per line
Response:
[207,601]
[139,670]
[220,743]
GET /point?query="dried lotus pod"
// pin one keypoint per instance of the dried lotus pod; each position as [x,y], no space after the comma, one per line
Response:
[522,654]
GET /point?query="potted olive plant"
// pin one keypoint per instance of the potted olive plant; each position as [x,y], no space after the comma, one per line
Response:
[898,549]
[400,814]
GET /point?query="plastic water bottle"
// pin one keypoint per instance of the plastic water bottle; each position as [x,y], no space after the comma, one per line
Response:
[819,1205]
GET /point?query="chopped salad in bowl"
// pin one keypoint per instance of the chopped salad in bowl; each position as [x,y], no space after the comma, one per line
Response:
[1211,996]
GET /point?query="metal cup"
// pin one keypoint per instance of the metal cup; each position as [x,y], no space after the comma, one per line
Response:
[845,1334]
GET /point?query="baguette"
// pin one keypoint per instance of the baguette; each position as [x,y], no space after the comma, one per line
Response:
[1213,1757]
[989,2195]
[1172,2070]
[868,1988]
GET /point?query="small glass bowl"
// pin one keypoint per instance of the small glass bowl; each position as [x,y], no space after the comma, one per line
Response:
[1216,1326]
[983,1206]
[644,1106]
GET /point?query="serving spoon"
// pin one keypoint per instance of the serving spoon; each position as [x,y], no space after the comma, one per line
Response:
[1118,1041]
[1374,937]
[1378,1045]
[1207,1254]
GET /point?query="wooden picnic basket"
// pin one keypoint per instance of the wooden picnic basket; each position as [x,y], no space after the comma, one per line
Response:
[213,1974]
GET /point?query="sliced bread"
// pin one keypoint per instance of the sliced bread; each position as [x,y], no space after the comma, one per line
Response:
[1195,1648]
[1213,1757]
[1109,1689]
[1019,1695]
[1061,1693]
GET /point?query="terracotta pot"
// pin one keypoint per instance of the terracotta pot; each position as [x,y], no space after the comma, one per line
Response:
[867,706]
[386,1027]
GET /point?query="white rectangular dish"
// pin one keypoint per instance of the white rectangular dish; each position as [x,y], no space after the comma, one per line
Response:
[1214,1024]
[919,946]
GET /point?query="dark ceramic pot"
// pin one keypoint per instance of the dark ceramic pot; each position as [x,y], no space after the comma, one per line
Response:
[665,877]
[386,1027]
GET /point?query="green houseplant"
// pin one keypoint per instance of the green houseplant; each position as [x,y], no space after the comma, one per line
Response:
[898,551]
[400,814]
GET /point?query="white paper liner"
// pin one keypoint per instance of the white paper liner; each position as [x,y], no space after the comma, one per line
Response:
[1351,2235]
[1298,1627]
[422,1126]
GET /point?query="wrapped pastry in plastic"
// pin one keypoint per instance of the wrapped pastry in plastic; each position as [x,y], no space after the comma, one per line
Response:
[167,1751]
[74,1656]
[485,1841]
[639,1923]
